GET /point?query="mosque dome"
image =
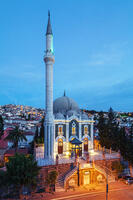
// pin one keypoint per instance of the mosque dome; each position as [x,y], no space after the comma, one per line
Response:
[64,104]
[59,116]
[84,116]
[72,112]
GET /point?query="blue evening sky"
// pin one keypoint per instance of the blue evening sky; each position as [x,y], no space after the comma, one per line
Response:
[93,45]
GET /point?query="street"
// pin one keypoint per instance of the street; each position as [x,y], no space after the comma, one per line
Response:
[114,194]
[117,191]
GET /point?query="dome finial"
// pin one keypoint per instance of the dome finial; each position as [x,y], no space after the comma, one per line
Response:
[64,93]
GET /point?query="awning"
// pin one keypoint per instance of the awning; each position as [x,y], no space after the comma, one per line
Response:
[76,141]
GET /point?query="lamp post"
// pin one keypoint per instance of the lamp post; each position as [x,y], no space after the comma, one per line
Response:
[106,185]
[106,174]
[78,174]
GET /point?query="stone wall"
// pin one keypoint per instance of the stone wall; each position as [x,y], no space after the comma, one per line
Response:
[93,176]
[61,169]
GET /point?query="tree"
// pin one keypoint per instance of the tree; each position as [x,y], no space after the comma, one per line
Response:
[15,136]
[22,171]
[3,184]
[51,178]
[42,129]
[131,132]
[112,136]
[117,166]
[1,126]
[126,148]
[29,116]
[3,178]
[108,130]
[103,133]
[39,137]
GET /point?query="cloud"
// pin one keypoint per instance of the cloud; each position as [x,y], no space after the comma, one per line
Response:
[119,96]
[105,58]
[110,54]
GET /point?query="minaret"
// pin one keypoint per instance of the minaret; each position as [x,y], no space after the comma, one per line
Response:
[49,121]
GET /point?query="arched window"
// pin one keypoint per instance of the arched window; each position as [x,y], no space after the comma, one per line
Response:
[60,130]
[86,144]
[60,146]
[73,128]
[85,129]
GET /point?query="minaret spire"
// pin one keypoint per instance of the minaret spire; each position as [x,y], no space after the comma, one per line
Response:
[49,28]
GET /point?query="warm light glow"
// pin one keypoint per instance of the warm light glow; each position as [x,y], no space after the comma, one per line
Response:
[92,152]
[73,130]
[67,153]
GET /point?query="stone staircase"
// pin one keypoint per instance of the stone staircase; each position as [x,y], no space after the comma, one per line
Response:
[67,171]
[69,174]
[61,179]
[107,173]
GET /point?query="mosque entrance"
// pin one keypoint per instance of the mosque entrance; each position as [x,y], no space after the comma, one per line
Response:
[76,147]
[86,178]
[86,144]
[60,146]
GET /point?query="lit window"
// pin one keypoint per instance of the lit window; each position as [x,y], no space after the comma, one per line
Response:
[73,130]
[85,141]
[60,142]
[60,130]
[86,130]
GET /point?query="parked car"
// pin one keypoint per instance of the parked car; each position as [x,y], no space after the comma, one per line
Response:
[123,177]
[129,180]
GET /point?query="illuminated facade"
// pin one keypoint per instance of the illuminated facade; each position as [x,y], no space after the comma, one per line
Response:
[67,130]
[73,129]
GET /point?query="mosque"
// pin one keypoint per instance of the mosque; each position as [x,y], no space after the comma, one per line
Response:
[68,131]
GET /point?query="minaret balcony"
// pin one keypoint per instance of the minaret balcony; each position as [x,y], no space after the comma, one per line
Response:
[49,57]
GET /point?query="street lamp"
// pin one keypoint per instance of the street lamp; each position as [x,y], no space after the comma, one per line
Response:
[77,164]
[106,185]
[106,174]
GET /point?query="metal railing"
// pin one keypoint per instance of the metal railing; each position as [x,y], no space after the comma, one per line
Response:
[70,174]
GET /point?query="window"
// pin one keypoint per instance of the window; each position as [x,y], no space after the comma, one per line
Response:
[60,142]
[60,130]
[86,130]
[73,128]
[60,146]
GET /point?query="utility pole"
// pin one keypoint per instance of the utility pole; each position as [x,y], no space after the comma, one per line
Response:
[106,179]
[104,158]
[106,184]
[78,173]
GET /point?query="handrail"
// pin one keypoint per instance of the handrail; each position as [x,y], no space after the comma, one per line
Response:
[105,170]
[70,174]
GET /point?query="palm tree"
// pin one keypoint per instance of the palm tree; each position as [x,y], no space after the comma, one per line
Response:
[15,136]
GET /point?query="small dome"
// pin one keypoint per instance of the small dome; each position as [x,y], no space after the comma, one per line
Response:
[59,116]
[84,116]
[72,112]
[64,104]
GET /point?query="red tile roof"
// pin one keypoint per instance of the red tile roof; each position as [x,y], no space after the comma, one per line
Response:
[3,142]
[11,152]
